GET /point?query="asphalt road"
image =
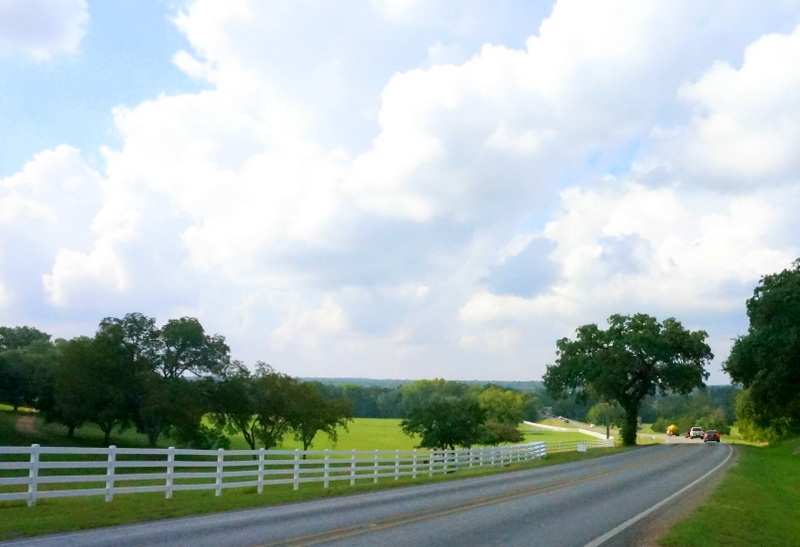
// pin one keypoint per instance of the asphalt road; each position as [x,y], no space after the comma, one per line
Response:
[603,501]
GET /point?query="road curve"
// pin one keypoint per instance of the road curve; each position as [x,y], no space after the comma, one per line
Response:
[600,501]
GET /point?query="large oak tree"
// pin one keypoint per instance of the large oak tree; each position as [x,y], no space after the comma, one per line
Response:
[766,361]
[633,358]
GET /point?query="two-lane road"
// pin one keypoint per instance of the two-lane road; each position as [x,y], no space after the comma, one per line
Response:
[598,501]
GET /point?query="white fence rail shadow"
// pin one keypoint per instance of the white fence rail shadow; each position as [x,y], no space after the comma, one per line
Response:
[38,472]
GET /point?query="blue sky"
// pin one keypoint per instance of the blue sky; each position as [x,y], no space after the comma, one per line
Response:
[396,188]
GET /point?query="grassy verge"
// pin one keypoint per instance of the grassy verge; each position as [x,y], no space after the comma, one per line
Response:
[758,503]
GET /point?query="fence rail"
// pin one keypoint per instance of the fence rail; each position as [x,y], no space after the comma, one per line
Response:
[38,472]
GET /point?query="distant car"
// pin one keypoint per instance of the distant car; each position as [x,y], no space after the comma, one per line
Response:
[710,435]
[696,433]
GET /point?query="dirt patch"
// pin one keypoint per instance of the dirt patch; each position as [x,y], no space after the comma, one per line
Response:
[26,425]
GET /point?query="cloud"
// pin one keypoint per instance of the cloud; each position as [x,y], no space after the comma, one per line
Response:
[337,198]
[40,29]
[746,129]
[45,207]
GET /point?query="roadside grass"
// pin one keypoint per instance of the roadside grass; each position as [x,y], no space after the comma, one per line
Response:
[758,502]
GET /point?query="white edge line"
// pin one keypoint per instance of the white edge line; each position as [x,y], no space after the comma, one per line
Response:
[628,523]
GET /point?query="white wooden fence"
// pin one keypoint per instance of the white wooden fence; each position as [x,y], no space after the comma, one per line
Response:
[572,446]
[38,472]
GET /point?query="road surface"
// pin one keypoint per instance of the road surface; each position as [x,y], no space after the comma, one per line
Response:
[602,501]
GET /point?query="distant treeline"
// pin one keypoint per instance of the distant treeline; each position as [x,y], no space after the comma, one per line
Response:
[176,381]
[530,386]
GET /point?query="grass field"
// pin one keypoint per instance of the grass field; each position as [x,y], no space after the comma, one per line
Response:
[361,434]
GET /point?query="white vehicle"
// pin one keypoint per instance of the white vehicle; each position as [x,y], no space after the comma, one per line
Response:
[696,433]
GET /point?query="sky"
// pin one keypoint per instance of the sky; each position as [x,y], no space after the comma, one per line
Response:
[396,188]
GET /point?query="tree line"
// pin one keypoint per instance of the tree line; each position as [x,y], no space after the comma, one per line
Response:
[175,381]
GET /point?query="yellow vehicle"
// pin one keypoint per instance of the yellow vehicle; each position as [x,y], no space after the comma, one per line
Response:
[672,430]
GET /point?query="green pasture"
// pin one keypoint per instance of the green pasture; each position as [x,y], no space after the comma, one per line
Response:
[361,434]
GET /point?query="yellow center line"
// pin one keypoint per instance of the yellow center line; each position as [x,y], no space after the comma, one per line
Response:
[418,516]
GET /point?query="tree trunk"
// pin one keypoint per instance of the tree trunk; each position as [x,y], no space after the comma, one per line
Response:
[629,428]
[152,437]
[70,431]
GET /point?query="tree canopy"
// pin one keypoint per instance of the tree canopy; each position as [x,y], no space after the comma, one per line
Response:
[635,357]
[766,360]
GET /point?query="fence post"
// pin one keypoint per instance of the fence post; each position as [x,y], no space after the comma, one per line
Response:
[261,453]
[397,465]
[110,470]
[430,462]
[414,462]
[33,475]
[353,467]
[170,471]
[220,468]
[296,468]
[326,474]
[376,468]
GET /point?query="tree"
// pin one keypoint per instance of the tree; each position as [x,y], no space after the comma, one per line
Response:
[504,411]
[311,412]
[606,414]
[749,423]
[446,421]
[274,400]
[187,348]
[90,386]
[162,399]
[234,405]
[26,359]
[633,358]
[766,361]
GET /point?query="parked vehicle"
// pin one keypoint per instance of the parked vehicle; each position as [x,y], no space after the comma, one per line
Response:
[696,432]
[672,430]
[710,435]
